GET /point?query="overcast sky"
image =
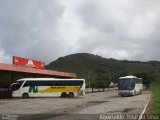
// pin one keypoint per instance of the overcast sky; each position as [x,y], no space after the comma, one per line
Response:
[47,29]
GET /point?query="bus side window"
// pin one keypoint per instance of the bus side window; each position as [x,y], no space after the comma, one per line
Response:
[63,83]
[49,83]
[58,83]
[69,83]
[136,80]
[44,83]
[54,83]
[77,83]
[26,84]
[29,83]
[140,81]
[74,83]
[80,82]
[39,83]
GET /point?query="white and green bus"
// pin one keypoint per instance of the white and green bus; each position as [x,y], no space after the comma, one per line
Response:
[129,85]
[48,87]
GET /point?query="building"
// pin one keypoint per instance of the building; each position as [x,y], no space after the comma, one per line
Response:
[10,73]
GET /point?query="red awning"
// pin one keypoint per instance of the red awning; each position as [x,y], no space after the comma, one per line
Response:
[23,69]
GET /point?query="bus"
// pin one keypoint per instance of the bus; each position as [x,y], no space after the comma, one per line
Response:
[129,85]
[48,87]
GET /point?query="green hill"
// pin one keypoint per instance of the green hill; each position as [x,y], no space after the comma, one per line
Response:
[88,65]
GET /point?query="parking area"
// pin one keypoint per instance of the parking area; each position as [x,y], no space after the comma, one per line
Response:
[108,102]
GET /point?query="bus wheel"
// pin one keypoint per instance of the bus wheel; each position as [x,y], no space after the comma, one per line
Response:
[63,95]
[70,95]
[25,96]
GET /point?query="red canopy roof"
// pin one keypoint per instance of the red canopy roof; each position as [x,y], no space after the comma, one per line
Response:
[23,69]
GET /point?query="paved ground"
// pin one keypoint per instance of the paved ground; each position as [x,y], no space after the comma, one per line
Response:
[88,107]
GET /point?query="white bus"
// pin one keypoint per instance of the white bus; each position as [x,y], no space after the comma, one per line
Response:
[129,85]
[48,87]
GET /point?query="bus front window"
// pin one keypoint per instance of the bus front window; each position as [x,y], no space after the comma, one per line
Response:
[126,84]
[16,86]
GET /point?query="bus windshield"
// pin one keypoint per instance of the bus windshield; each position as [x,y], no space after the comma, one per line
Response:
[126,84]
[17,85]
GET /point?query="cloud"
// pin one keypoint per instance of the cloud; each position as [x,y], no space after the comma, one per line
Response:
[46,30]
[30,28]
[121,29]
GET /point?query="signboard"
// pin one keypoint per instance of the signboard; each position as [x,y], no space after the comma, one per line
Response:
[28,62]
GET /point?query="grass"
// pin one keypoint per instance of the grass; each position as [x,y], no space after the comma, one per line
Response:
[155,89]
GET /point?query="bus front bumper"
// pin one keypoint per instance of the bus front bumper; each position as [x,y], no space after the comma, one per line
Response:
[126,93]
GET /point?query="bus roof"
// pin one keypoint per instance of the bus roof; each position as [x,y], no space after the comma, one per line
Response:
[130,76]
[46,79]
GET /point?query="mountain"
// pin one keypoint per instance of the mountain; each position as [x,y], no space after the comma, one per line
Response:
[88,65]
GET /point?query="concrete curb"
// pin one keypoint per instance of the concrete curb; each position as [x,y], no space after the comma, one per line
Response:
[140,117]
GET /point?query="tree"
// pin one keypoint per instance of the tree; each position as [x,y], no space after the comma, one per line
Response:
[101,81]
[147,77]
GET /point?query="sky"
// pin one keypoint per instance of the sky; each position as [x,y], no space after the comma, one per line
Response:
[45,30]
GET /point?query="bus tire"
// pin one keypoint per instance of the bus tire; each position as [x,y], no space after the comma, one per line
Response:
[63,95]
[70,95]
[25,95]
